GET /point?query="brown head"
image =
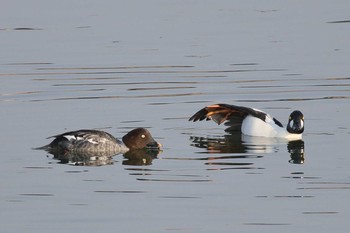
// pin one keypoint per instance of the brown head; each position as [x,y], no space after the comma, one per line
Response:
[140,138]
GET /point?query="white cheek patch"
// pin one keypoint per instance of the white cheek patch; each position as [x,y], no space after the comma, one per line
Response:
[301,124]
[291,123]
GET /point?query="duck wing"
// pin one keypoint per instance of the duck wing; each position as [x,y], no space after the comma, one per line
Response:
[232,115]
[222,112]
[86,135]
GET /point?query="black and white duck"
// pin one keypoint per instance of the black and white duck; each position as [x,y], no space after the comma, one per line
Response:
[252,122]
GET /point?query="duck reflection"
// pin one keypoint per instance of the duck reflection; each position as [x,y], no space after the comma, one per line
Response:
[238,143]
[139,157]
[82,159]
[227,144]
[296,150]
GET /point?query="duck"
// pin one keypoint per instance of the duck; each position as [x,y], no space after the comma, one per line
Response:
[90,141]
[251,121]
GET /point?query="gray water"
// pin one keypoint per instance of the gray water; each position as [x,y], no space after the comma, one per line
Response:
[118,65]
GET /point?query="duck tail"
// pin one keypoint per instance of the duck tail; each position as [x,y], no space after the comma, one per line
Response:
[46,147]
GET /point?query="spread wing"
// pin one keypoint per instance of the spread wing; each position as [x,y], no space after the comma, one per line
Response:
[232,115]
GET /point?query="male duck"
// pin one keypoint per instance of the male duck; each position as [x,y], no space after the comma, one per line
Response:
[96,141]
[251,121]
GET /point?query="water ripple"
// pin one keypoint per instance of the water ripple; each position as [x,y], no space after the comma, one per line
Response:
[175,180]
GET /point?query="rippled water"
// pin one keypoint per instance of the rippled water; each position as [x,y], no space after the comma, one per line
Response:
[97,71]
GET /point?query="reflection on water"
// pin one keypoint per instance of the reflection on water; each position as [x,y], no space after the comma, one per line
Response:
[82,159]
[296,150]
[240,144]
[140,157]
[228,144]
[135,157]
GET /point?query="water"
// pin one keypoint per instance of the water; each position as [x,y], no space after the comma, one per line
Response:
[120,65]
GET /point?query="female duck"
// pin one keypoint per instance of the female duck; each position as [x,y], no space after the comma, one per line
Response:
[252,122]
[96,141]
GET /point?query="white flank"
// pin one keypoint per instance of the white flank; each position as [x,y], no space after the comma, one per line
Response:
[253,126]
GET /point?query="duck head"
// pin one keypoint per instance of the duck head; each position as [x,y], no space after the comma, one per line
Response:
[140,138]
[296,123]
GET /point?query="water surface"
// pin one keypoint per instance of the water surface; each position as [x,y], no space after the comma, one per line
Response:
[116,66]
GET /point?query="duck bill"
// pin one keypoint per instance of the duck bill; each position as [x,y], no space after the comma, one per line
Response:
[154,146]
[298,127]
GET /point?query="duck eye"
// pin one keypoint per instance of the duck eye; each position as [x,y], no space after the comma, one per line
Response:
[143,136]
